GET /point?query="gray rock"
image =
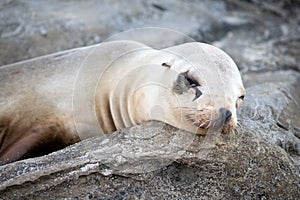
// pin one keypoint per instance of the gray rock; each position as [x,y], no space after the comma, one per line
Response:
[248,30]
[53,25]
[271,111]
[157,161]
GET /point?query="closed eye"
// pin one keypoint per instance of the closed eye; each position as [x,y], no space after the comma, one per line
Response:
[192,82]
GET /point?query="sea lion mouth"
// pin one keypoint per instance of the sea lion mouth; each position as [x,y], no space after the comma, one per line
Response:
[205,119]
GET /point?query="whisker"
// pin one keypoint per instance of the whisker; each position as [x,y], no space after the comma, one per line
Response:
[203,123]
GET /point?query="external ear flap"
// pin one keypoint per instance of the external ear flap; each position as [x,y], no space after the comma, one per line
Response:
[166,64]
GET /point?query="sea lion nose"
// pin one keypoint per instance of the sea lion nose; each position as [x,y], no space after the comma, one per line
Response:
[226,114]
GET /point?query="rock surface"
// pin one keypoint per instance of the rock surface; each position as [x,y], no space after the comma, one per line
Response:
[157,161]
[261,160]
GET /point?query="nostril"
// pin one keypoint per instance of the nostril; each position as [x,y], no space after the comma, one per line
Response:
[226,114]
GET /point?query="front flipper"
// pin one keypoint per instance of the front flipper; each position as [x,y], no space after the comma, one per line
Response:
[38,140]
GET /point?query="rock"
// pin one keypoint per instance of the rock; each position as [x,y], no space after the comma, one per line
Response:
[45,27]
[271,111]
[29,28]
[156,160]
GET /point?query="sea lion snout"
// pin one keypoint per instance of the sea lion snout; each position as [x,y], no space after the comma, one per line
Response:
[225,115]
[226,118]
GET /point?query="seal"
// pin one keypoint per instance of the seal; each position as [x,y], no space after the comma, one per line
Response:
[50,102]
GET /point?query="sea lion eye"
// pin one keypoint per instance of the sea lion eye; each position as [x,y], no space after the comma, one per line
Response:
[242,97]
[192,82]
[183,83]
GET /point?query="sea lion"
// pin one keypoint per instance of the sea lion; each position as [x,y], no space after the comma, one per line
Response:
[53,101]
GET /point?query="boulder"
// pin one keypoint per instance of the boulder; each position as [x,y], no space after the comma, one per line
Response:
[156,160]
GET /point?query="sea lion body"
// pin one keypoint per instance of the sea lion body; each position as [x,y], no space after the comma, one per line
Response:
[53,101]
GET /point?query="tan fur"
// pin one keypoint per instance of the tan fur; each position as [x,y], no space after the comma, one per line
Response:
[50,102]
[33,130]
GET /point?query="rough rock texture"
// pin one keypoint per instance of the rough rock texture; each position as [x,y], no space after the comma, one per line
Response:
[156,161]
[261,160]
[42,27]
[272,112]
[251,31]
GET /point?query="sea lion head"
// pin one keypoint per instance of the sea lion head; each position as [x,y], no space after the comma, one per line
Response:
[208,88]
[192,86]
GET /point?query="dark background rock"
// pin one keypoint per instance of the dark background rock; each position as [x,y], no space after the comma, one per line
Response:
[261,160]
